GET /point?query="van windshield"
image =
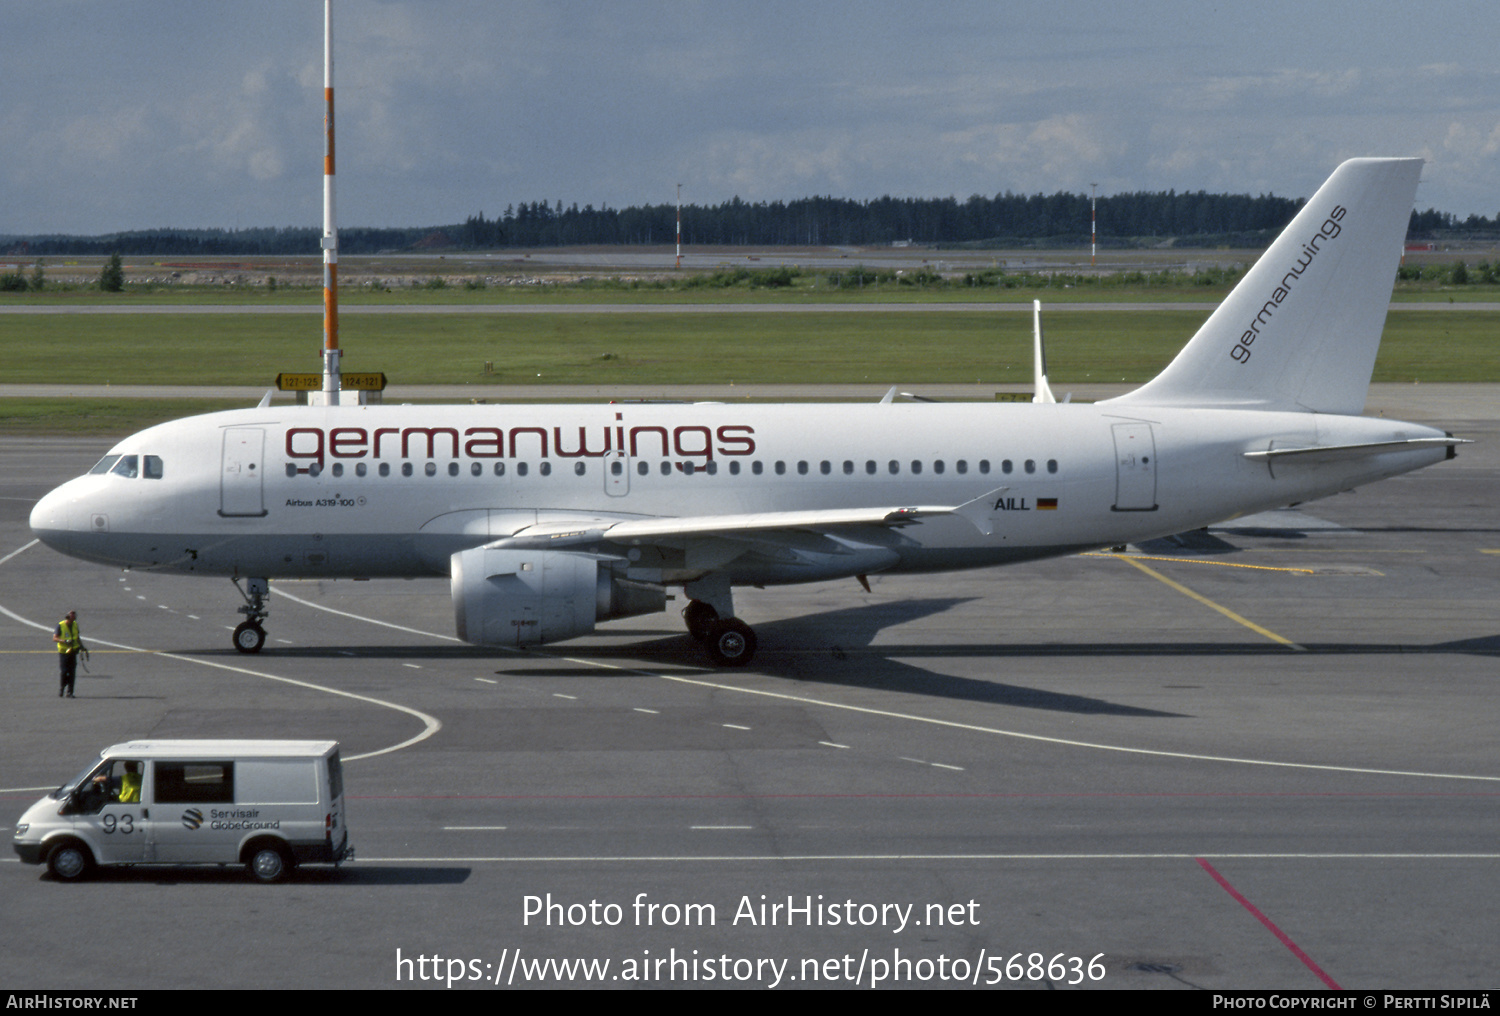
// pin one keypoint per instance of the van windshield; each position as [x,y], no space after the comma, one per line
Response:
[76,781]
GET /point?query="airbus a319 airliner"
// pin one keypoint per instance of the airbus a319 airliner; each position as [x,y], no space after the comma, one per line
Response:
[549,519]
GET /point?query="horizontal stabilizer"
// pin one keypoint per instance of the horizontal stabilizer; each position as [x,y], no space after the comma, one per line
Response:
[1331,453]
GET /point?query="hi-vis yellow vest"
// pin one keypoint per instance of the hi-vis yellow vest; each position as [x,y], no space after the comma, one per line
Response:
[69,630]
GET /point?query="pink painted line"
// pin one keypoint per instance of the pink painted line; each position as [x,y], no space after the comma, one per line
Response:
[1281,936]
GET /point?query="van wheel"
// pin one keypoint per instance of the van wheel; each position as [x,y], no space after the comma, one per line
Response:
[269,864]
[70,862]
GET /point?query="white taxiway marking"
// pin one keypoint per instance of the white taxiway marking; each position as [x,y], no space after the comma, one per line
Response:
[913,718]
[830,744]
[886,858]
[430,724]
[473,829]
[369,620]
[653,712]
[487,680]
[733,726]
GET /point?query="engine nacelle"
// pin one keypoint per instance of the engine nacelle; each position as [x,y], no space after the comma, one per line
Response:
[525,597]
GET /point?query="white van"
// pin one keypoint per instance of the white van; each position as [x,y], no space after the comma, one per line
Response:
[269,805]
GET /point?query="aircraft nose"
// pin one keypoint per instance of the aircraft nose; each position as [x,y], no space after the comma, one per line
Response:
[52,518]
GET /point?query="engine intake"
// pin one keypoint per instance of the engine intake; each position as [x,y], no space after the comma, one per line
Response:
[526,597]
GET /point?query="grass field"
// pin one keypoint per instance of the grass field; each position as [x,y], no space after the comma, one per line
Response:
[822,348]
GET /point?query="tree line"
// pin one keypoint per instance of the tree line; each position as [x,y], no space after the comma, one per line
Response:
[1004,220]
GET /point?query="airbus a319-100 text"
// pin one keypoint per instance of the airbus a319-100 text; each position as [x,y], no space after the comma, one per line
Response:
[549,519]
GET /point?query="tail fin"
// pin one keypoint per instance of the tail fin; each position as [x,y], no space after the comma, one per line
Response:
[1301,329]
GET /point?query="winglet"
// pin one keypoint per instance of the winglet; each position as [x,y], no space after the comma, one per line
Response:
[1039,356]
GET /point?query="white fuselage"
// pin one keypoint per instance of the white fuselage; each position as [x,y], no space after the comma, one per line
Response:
[394,491]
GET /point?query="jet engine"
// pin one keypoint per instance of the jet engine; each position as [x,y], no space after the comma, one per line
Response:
[526,597]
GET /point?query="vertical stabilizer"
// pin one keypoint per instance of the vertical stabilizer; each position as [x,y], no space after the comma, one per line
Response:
[1302,328]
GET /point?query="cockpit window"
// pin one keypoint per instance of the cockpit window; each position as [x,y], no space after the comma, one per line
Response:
[128,466]
[153,467]
[104,464]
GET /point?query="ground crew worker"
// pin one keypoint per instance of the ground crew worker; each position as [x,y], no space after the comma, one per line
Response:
[68,646]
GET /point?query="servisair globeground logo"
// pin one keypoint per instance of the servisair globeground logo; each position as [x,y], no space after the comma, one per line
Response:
[192,818]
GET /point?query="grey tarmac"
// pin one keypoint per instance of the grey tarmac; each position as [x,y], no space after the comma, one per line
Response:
[1068,758]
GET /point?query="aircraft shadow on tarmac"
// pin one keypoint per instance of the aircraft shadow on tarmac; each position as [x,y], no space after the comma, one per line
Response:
[837,647]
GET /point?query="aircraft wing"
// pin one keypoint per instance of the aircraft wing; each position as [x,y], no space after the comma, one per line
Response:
[568,533]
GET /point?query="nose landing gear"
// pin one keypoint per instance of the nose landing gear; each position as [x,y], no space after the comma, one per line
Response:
[249,636]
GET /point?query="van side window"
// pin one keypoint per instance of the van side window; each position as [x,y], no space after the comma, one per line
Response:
[194,783]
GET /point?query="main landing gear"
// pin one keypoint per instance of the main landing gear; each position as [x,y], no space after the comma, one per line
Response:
[249,636]
[730,642]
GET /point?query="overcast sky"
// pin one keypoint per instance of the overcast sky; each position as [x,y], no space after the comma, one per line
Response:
[119,114]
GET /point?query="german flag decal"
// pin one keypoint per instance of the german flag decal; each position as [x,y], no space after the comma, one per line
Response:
[1046,504]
